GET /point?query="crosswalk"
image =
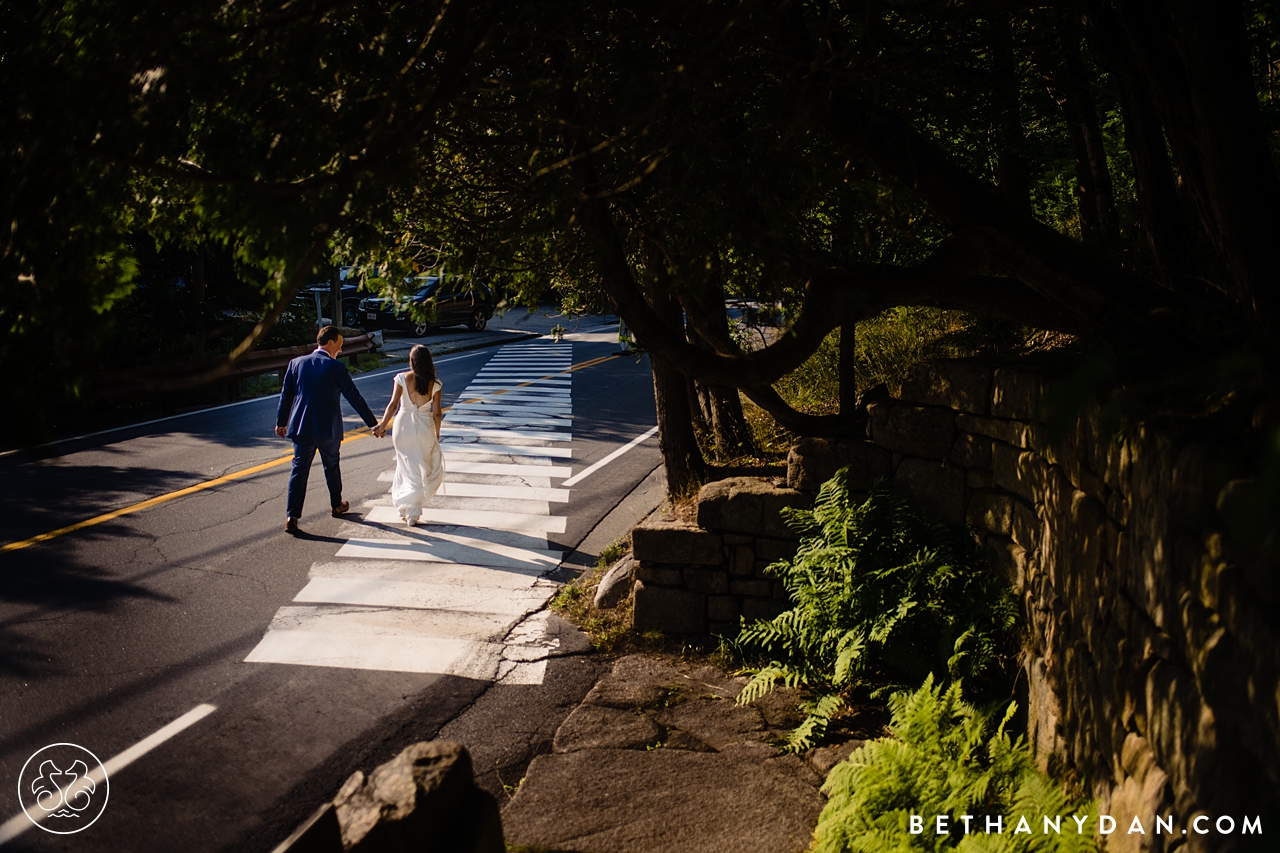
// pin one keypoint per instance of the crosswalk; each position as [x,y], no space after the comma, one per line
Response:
[462,593]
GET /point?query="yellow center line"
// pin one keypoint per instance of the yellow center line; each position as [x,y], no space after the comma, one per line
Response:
[349,436]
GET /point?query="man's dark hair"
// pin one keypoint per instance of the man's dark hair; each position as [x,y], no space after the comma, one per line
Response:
[328,333]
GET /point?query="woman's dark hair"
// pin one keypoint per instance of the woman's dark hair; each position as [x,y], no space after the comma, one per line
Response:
[424,369]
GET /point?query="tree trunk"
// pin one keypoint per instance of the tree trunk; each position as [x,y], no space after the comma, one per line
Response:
[848,379]
[721,407]
[729,425]
[1012,172]
[1193,59]
[1090,227]
[1157,189]
[1067,81]
[679,444]
[699,408]
[1104,199]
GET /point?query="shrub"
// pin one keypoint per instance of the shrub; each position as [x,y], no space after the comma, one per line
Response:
[876,589]
[945,761]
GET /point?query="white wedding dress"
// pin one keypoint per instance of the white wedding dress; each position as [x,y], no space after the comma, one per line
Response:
[419,462]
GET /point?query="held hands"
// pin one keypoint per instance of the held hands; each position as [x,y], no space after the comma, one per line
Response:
[379,431]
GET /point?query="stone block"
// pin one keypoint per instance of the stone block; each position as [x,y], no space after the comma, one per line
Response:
[1091,484]
[1026,526]
[1016,433]
[1010,560]
[661,575]
[1018,471]
[423,799]
[1196,482]
[772,550]
[747,505]
[813,461]
[810,462]
[976,479]
[706,580]
[742,560]
[1015,393]
[666,539]
[991,511]
[751,587]
[724,608]
[671,611]
[763,608]
[780,591]
[916,431]
[960,384]
[1118,509]
[616,583]
[938,488]
[971,451]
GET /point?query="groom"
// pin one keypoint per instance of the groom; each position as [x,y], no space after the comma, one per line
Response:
[311,414]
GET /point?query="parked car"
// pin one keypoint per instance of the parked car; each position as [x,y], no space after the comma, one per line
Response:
[319,295]
[453,302]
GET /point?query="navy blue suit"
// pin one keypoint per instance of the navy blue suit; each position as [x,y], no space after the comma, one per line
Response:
[311,413]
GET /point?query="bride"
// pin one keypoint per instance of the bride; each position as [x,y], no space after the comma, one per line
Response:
[415,435]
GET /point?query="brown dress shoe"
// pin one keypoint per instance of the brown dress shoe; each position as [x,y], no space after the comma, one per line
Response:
[341,509]
[291,526]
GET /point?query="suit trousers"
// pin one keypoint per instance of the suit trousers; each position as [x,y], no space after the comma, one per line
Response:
[304,450]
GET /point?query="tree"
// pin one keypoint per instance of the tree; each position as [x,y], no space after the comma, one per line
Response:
[840,156]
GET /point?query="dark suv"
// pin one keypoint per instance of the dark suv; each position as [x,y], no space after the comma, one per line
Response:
[450,302]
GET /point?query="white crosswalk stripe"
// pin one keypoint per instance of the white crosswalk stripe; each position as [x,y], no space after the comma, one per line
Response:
[454,594]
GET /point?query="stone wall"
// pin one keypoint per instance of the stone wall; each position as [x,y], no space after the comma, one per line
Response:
[700,578]
[1151,650]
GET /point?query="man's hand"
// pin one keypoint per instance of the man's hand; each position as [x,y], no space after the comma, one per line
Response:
[379,431]
[280,432]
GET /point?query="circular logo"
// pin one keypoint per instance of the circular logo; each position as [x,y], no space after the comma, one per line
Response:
[63,788]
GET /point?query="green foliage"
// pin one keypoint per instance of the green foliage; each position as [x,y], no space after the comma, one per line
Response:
[944,760]
[886,347]
[877,590]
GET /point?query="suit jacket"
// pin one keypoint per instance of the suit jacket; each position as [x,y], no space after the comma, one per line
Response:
[309,405]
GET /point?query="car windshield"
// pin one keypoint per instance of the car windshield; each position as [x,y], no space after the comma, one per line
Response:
[426,290]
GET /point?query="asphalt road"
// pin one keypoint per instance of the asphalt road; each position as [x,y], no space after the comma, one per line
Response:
[110,633]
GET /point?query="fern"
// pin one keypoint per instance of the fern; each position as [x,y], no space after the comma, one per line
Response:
[944,761]
[876,587]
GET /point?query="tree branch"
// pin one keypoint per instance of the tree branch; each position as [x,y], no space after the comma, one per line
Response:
[819,426]
[1097,295]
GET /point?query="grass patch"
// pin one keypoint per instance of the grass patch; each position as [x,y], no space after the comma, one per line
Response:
[260,386]
[773,441]
[609,629]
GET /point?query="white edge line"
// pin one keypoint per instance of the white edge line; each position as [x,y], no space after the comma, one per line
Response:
[20,823]
[586,472]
